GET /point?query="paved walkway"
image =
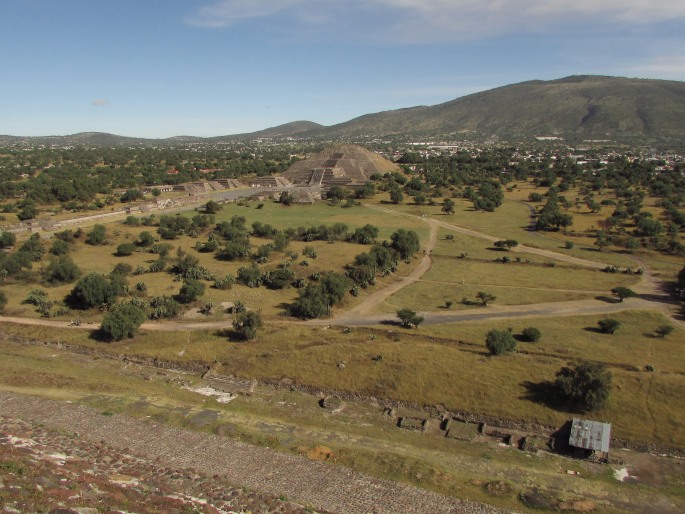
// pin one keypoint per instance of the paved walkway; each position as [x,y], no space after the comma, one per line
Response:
[323,486]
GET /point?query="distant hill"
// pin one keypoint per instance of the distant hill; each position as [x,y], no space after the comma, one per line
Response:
[576,108]
[292,129]
[103,139]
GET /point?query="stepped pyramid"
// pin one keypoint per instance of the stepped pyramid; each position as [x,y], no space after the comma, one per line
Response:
[344,165]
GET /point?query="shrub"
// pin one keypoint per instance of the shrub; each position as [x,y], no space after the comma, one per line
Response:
[123,321]
[531,334]
[664,330]
[500,341]
[623,292]
[7,239]
[246,324]
[59,247]
[191,290]
[224,283]
[409,318]
[93,290]
[125,249]
[250,275]
[62,270]
[608,326]
[97,235]
[3,300]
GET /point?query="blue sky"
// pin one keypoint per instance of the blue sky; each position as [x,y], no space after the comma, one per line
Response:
[159,68]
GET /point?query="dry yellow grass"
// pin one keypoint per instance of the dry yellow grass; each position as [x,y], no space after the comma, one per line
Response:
[449,365]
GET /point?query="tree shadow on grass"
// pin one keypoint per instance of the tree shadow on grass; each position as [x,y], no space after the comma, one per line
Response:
[607,299]
[99,336]
[545,393]
[596,330]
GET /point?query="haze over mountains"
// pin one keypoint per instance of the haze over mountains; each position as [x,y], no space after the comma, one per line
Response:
[574,108]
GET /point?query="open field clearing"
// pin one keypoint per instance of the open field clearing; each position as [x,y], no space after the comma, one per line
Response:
[448,365]
[511,221]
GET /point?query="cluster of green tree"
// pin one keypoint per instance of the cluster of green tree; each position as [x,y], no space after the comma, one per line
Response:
[551,217]
[82,178]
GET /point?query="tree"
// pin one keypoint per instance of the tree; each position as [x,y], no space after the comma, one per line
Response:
[336,194]
[531,334]
[7,240]
[97,235]
[608,325]
[447,206]
[681,278]
[93,290]
[622,293]
[131,195]
[251,276]
[191,290]
[405,243]
[212,207]
[485,298]
[145,239]
[506,244]
[586,384]
[286,198]
[246,324]
[62,270]
[396,195]
[409,318]
[59,247]
[28,211]
[500,341]
[365,235]
[123,321]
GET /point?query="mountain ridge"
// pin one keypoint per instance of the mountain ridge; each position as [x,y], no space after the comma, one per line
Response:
[578,107]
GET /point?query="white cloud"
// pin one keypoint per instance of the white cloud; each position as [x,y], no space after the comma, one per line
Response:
[440,20]
[100,102]
[664,66]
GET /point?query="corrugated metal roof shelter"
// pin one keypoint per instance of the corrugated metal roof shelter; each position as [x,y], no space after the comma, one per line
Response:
[590,435]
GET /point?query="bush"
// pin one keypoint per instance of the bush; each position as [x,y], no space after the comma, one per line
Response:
[7,239]
[93,290]
[3,300]
[246,324]
[97,235]
[191,290]
[62,270]
[608,326]
[125,249]
[164,307]
[250,275]
[409,318]
[500,341]
[531,334]
[586,384]
[122,322]
[664,330]
[59,247]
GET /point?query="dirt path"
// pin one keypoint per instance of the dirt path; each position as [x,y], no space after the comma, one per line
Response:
[381,295]
[519,249]
[321,485]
